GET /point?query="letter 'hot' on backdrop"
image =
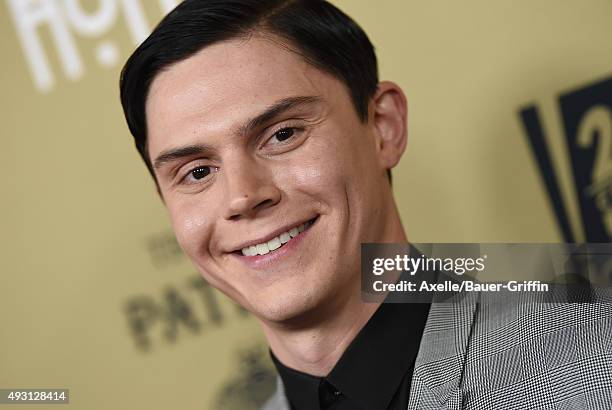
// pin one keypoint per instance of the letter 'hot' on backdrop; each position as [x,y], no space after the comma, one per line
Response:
[510,125]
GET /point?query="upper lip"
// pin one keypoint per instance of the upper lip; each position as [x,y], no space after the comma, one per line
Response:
[269,236]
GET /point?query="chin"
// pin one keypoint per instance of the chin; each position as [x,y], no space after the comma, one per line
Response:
[305,298]
[287,307]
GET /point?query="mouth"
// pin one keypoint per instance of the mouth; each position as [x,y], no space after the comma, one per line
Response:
[276,243]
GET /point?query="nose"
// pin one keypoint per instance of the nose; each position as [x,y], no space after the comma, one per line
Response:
[250,189]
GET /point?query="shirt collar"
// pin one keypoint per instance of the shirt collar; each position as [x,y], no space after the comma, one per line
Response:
[301,389]
[372,368]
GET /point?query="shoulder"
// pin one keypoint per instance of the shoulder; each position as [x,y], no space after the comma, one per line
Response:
[562,349]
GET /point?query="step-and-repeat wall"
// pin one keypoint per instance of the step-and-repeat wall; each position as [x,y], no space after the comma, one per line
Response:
[510,141]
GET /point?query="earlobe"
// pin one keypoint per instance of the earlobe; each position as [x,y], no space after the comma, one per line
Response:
[390,120]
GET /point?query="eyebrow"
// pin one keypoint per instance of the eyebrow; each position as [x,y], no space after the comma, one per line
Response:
[178,153]
[275,110]
[254,123]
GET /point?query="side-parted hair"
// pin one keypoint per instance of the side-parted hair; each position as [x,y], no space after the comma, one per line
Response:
[315,29]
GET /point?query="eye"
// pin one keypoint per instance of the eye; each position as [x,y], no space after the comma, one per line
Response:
[198,174]
[282,135]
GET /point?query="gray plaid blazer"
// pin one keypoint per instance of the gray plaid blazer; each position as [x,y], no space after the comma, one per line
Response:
[509,351]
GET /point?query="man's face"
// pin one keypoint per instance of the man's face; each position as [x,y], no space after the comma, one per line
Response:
[253,149]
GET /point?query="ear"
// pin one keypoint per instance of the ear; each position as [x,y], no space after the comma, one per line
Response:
[389,118]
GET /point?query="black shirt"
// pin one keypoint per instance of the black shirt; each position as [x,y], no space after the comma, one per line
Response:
[375,371]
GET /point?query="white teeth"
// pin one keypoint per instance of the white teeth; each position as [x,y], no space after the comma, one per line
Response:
[262,248]
[274,243]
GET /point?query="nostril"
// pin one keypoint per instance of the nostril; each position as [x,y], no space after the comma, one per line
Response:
[234,217]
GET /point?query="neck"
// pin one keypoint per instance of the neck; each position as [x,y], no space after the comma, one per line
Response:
[315,348]
[314,345]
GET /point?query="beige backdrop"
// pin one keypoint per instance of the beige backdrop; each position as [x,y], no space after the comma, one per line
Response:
[94,294]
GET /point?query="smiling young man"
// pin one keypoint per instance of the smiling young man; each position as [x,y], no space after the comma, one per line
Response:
[271,139]
[271,142]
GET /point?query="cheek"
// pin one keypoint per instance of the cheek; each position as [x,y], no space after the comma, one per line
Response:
[322,165]
[308,176]
[192,228]
[314,181]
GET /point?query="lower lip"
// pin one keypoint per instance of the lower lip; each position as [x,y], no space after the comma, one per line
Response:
[262,261]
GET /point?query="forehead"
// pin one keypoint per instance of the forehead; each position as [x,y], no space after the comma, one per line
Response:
[226,83]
